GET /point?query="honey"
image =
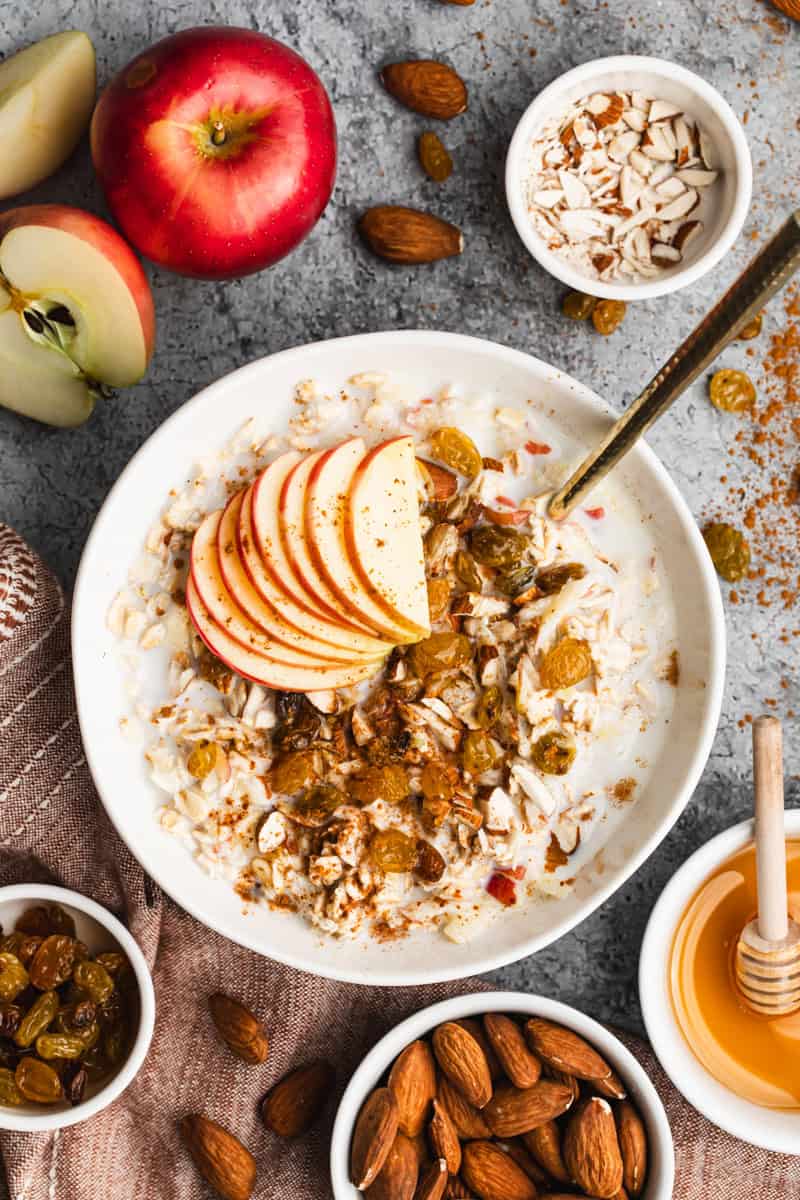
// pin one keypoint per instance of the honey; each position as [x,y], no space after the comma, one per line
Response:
[757,1057]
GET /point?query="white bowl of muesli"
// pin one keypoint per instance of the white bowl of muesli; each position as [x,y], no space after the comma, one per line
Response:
[428,748]
[628,177]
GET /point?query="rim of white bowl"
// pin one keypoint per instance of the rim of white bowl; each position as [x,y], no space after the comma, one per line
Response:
[48,1121]
[646,290]
[707,579]
[661,1176]
[771,1128]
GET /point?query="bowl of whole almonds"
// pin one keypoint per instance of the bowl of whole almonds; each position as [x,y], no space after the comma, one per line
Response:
[628,177]
[77,1007]
[501,1096]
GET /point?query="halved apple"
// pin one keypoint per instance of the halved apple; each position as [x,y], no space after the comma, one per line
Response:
[237,553]
[329,482]
[261,669]
[46,99]
[74,290]
[382,532]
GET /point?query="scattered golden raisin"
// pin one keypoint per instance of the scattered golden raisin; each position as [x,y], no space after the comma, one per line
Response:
[752,329]
[732,391]
[553,753]
[565,664]
[578,306]
[608,315]
[729,550]
[434,158]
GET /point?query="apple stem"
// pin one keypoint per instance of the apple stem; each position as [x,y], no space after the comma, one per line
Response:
[218,135]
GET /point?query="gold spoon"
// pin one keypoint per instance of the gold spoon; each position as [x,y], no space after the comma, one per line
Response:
[768,950]
[769,271]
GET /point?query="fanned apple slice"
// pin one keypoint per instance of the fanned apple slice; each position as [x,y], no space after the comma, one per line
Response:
[292,526]
[338,639]
[329,482]
[267,491]
[267,671]
[382,531]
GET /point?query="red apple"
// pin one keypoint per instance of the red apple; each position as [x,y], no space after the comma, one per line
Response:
[216,149]
[75,310]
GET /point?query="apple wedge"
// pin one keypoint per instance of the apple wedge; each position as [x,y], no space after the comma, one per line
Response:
[224,608]
[261,669]
[382,532]
[263,598]
[266,502]
[71,287]
[46,99]
[329,483]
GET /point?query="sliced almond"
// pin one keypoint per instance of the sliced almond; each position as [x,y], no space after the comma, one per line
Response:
[640,163]
[662,110]
[664,255]
[686,234]
[706,147]
[655,145]
[679,207]
[658,173]
[606,110]
[580,224]
[621,146]
[670,188]
[575,191]
[694,177]
[634,118]
[548,198]
[631,185]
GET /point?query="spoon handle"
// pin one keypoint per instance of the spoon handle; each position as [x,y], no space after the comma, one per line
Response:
[769,271]
[770,837]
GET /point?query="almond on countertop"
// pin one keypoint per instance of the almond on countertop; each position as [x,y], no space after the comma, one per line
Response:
[220,1157]
[412,1080]
[519,1063]
[426,86]
[564,1050]
[462,1060]
[373,1136]
[591,1149]
[407,235]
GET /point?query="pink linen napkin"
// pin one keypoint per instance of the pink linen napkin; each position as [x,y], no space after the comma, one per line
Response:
[54,829]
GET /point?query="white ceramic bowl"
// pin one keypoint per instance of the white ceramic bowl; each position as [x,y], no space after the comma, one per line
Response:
[425,362]
[101,931]
[667,81]
[772,1128]
[372,1070]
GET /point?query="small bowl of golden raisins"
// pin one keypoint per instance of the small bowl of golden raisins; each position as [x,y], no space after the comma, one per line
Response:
[77,1007]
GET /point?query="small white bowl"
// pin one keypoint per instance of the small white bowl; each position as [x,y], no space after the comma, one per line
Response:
[772,1128]
[100,931]
[666,81]
[661,1170]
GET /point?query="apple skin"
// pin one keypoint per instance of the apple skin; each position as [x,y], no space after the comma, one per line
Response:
[226,209]
[102,237]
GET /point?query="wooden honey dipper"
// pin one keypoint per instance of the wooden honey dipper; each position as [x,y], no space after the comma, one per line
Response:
[768,950]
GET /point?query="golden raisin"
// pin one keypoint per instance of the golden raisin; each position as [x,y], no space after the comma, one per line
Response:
[467,572]
[433,157]
[553,753]
[430,865]
[457,451]
[435,782]
[552,579]
[37,1081]
[732,391]
[13,976]
[565,664]
[608,315]
[498,546]
[393,851]
[438,598]
[205,758]
[440,652]
[729,550]
[578,306]
[479,752]
[489,706]
[752,329]
[53,962]
[389,783]
[36,1019]
[294,771]
[93,979]
[9,1092]
[317,805]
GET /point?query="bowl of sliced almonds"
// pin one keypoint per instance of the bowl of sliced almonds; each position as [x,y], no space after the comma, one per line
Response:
[77,1007]
[628,177]
[501,1094]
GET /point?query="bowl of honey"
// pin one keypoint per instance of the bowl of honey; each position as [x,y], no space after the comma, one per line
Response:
[738,1068]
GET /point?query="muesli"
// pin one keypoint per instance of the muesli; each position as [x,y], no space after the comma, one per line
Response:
[478,767]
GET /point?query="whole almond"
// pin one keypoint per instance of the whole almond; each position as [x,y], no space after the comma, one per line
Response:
[295,1102]
[493,1175]
[633,1147]
[406,235]
[544,1143]
[562,1077]
[239,1029]
[444,1139]
[456,1189]
[373,1136]
[612,1087]
[519,1063]
[475,1027]
[412,1080]
[397,1178]
[432,1181]
[591,1149]
[220,1158]
[512,1111]
[462,1060]
[468,1122]
[428,87]
[463,3]
[565,1050]
[516,1150]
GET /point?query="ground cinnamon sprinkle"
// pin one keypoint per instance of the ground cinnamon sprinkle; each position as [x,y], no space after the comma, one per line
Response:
[767,502]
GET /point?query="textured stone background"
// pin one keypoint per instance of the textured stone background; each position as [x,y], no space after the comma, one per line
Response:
[52,482]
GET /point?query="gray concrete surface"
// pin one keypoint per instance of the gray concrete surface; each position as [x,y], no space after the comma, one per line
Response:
[52,483]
